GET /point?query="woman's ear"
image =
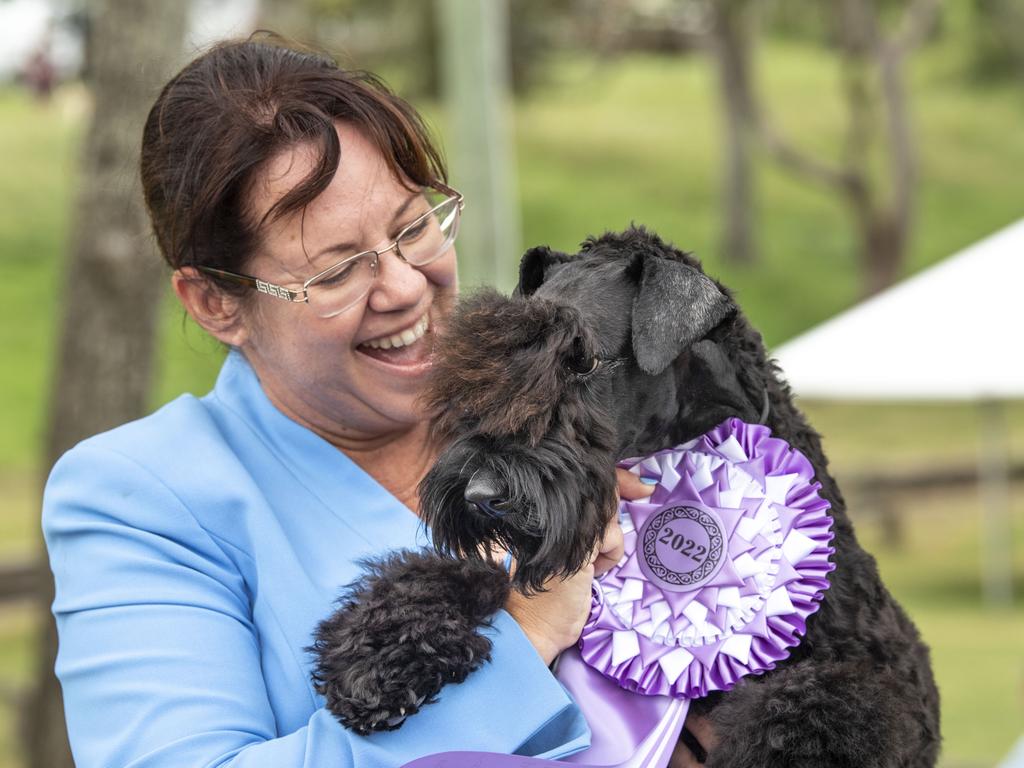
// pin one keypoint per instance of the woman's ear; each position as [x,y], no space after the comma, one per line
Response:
[214,310]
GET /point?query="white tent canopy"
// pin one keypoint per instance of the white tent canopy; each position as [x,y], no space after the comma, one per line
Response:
[954,331]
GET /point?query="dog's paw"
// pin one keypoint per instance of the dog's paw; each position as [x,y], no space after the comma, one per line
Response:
[376,688]
[402,633]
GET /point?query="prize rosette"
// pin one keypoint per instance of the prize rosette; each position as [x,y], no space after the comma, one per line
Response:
[723,565]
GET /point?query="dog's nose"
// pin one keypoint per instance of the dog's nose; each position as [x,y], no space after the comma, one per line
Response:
[486,491]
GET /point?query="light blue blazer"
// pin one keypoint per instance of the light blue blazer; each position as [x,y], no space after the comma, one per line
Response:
[194,552]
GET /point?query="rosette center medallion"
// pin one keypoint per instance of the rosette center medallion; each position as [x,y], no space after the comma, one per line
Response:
[682,547]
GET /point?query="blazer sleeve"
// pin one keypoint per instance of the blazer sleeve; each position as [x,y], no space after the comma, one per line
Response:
[159,658]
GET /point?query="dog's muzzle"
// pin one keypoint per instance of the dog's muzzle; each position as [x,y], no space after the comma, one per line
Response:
[488,493]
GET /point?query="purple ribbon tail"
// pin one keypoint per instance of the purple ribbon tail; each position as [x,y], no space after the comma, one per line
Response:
[627,730]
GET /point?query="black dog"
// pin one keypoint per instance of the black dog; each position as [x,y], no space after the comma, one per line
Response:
[621,350]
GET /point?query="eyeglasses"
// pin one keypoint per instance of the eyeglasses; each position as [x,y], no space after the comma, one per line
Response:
[341,286]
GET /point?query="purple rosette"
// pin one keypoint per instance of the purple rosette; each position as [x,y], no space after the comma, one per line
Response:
[723,565]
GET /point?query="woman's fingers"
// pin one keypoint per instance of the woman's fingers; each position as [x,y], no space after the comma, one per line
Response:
[611,548]
[632,487]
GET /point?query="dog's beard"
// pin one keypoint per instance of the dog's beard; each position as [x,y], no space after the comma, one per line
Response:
[559,500]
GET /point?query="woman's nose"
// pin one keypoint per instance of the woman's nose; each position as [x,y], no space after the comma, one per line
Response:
[398,284]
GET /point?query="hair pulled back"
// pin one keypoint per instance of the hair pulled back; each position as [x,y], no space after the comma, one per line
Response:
[228,112]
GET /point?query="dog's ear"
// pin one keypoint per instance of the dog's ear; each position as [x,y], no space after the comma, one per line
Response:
[675,306]
[535,268]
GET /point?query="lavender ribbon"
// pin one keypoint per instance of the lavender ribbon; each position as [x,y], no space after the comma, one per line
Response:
[722,567]
[627,731]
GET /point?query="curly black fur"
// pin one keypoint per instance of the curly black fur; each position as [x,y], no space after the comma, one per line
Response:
[403,632]
[804,719]
[551,530]
[515,395]
[514,398]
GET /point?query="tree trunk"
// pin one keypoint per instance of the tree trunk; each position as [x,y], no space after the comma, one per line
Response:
[881,205]
[113,284]
[429,45]
[476,79]
[731,42]
[883,248]
[885,216]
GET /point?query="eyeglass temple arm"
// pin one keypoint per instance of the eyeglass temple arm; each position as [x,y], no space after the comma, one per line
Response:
[442,187]
[277,291]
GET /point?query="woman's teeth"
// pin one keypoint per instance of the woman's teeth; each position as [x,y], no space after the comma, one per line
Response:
[403,339]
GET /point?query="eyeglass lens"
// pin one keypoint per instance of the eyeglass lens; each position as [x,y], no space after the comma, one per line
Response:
[422,242]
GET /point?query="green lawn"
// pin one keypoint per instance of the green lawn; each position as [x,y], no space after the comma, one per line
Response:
[598,147]
[978,654]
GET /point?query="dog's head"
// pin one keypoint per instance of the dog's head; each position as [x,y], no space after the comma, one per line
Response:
[597,356]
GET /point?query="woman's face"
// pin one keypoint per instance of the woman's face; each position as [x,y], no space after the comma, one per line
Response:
[332,374]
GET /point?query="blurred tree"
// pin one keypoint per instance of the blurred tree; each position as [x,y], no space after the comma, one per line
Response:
[798,19]
[402,39]
[731,39]
[394,36]
[536,29]
[814,21]
[997,32]
[876,177]
[604,24]
[476,79]
[112,284]
[604,28]
[294,20]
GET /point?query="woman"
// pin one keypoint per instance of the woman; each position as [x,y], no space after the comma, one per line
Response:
[194,551]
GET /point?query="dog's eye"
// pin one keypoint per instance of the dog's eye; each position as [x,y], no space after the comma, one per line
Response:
[585,367]
[580,363]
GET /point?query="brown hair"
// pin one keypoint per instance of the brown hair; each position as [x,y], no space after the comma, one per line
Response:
[235,107]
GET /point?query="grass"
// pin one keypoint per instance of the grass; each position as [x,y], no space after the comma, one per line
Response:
[977,653]
[598,147]
[39,148]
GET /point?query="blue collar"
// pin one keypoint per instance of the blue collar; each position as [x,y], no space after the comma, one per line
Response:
[324,470]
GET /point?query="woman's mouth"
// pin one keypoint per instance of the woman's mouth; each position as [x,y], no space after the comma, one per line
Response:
[402,339]
[406,348]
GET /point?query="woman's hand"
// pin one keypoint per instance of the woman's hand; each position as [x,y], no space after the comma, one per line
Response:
[610,551]
[554,619]
[631,487]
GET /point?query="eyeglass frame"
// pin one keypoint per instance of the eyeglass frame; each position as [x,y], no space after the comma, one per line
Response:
[302,296]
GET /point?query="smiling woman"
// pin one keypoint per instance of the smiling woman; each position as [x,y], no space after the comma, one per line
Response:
[308,223]
[326,365]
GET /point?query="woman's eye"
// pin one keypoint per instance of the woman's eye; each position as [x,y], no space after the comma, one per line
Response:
[416,230]
[338,277]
